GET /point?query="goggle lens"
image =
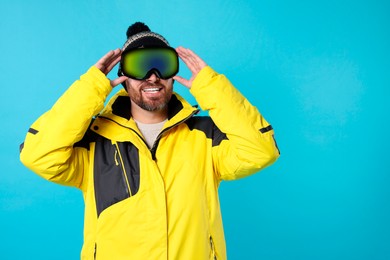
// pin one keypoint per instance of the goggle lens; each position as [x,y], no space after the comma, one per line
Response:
[141,63]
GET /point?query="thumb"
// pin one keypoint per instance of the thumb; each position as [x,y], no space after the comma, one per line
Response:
[183,81]
[118,81]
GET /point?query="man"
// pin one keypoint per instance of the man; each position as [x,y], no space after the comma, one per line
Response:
[149,169]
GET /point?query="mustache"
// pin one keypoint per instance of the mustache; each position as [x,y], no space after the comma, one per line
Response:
[151,85]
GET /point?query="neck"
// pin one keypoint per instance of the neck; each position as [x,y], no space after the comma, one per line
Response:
[148,117]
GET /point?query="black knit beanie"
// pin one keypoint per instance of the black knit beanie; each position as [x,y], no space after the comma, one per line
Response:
[139,35]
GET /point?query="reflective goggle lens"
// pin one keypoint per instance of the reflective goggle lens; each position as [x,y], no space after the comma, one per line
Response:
[141,63]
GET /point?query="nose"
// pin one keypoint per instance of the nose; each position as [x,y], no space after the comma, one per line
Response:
[153,78]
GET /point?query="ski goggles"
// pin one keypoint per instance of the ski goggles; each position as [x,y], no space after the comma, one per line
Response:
[141,63]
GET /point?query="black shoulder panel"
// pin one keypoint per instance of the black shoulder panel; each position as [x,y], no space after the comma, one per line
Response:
[89,137]
[207,126]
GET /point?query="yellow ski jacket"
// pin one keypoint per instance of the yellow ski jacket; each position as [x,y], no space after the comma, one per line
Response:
[141,203]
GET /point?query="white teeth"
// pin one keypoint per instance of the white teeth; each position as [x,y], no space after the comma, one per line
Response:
[150,89]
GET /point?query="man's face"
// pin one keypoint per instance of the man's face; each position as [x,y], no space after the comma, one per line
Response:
[151,94]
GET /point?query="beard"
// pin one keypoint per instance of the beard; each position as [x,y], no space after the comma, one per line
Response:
[151,103]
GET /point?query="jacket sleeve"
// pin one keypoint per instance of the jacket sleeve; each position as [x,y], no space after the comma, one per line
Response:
[250,145]
[48,149]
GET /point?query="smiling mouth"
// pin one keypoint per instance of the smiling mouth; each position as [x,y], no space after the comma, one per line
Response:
[151,90]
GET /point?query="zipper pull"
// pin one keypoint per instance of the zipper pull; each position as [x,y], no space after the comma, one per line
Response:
[115,157]
[213,248]
[116,152]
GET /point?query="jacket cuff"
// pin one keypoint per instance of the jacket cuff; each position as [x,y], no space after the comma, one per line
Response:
[202,79]
[98,80]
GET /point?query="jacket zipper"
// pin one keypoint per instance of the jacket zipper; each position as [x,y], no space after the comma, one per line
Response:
[155,144]
[118,152]
[212,248]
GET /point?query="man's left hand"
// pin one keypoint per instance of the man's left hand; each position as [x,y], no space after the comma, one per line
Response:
[194,63]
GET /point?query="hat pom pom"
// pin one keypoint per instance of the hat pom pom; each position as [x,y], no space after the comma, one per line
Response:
[137,28]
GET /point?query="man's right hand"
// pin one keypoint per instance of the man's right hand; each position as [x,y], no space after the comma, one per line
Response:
[107,62]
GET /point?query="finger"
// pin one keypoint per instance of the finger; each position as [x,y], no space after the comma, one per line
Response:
[183,81]
[103,59]
[188,55]
[192,60]
[185,55]
[186,59]
[113,63]
[118,81]
[117,53]
[106,60]
[196,59]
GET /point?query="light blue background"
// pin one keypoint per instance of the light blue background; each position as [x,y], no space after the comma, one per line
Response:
[317,70]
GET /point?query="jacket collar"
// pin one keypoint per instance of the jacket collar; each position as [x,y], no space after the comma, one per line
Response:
[118,108]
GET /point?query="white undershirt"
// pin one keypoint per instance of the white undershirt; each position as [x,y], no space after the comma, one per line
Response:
[150,131]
